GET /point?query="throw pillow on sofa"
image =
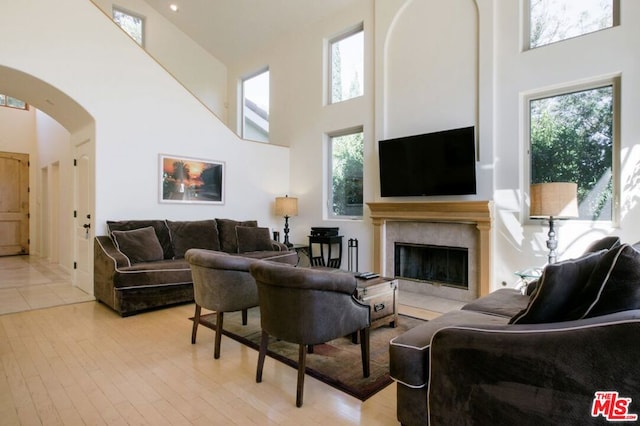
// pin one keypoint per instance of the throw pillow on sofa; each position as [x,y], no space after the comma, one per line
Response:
[253,238]
[604,243]
[139,245]
[160,226]
[227,233]
[613,286]
[557,288]
[202,234]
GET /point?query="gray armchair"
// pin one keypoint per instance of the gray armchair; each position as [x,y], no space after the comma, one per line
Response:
[221,283]
[308,307]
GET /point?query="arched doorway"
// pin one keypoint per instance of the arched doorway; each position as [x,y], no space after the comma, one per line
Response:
[53,178]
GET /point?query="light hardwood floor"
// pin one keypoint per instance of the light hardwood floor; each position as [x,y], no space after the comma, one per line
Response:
[81,363]
[28,282]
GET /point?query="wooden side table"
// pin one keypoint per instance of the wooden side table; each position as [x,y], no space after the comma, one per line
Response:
[325,243]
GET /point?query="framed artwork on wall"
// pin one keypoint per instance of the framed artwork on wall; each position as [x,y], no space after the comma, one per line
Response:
[191,180]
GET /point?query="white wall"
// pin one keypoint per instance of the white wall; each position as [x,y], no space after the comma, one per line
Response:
[590,57]
[54,159]
[443,68]
[421,74]
[425,79]
[300,118]
[140,111]
[505,73]
[431,79]
[47,143]
[17,130]
[159,117]
[201,73]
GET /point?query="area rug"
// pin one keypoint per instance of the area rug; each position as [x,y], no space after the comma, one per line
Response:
[337,363]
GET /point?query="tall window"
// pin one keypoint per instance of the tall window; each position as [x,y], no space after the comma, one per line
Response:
[131,23]
[255,107]
[555,20]
[346,65]
[346,154]
[10,102]
[572,140]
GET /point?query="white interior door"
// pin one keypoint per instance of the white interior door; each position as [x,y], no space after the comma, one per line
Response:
[83,223]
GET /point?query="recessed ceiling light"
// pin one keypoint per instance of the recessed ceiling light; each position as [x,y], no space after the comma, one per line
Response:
[173,7]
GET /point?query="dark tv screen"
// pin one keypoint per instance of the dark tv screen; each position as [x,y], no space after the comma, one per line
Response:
[440,163]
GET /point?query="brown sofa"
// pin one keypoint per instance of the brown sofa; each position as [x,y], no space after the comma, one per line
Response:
[140,265]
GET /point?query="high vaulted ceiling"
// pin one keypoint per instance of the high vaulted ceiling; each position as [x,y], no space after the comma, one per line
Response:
[230,29]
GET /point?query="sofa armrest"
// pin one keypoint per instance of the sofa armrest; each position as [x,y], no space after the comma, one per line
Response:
[533,374]
[109,249]
[278,246]
[106,260]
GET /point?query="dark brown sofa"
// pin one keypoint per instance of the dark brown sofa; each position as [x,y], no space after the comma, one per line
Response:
[140,265]
[509,358]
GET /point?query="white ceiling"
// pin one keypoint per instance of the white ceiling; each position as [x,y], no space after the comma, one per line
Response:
[230,29]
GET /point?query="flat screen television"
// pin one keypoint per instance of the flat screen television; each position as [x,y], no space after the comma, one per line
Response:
[440,163]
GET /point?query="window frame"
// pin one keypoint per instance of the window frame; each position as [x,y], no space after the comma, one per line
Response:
[526,32]
[5,103]
[143,25]
[329,65]
[243,80]
[329,172]
[614,82]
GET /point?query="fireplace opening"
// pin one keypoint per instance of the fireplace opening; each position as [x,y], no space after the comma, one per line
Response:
[438,265]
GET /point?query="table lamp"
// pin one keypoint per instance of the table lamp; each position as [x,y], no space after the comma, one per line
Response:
[554,200]
[286,206]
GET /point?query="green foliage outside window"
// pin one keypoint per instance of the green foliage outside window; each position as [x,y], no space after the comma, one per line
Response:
[572,141]
[551,21]
[347,160]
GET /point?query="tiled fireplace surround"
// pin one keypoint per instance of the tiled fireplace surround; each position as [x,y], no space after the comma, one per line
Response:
[453,224]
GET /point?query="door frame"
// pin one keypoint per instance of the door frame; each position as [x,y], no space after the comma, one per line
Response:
[84,147]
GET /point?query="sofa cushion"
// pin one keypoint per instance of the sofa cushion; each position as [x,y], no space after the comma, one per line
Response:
[505,302]
[409,352]
[139,245]
[160,226]
[153,274]
[202,234]
[613,286]
[557,289]
[227,233]
[253,238]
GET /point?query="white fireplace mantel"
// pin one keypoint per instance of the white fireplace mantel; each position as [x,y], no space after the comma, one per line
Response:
[468,212]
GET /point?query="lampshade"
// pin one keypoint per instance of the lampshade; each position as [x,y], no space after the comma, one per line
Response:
[554,199]
[286,206]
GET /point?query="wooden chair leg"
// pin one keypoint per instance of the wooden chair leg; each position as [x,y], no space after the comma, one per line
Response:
[196,321]
[264,340]
[365,350]
[302,356]
[216,345]
[244,317]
